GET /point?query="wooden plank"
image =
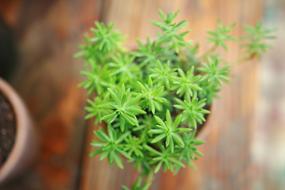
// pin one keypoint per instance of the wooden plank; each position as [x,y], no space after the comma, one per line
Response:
[47,78]
[269,138]
[226,164]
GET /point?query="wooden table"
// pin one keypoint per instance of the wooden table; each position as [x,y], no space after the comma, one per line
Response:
[48,33]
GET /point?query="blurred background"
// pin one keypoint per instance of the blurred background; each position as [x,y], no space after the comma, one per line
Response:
[244,141]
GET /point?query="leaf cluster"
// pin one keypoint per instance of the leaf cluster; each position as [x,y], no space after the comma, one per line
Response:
[152,100]
[256,40]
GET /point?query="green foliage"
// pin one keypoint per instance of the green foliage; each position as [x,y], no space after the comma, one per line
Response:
[187,85]
[193,110]
[153,99]
[164,158]
[221,35]
[256,40]
[103,40]
[109,146]
[213,72]
[122,66]
[133,146]
[168,132]
[153,96]
[124,107]
[214,75]
[96,78]
[171,37]
[190,151]
[99,108]
[162,74]
[147,53]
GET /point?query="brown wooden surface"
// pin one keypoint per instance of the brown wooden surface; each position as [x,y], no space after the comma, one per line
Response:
[48,33]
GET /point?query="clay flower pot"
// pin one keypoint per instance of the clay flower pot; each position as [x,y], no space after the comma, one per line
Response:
[24,148]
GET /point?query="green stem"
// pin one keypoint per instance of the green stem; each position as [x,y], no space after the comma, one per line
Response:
[149,180]
[144,180]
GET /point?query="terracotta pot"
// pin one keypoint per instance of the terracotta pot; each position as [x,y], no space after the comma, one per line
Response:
[25,146]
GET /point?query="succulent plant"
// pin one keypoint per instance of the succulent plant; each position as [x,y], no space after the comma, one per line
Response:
[153,99]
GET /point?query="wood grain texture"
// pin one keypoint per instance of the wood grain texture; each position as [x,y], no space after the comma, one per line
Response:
[226,164]
[48,34]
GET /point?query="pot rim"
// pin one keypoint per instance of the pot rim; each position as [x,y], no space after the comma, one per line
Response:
[23,121]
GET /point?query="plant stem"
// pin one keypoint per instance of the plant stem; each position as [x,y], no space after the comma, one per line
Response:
[144,178]
[149,180]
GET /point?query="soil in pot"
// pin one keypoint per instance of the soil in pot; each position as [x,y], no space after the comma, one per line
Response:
[7,128]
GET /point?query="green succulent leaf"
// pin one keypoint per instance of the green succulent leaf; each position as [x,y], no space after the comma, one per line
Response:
[168,131]
[162,74]
[109,146]
[98,108]
[193,110]
[147,53]
[214,75]
[105,38]
[125,107]
[101,40]
[190,151]
[123,67]
[221,34]
[164,158]
[256,40]
[187,84]
[213,72]
[133,147]
[153,96]
[171,35]
[96,78]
